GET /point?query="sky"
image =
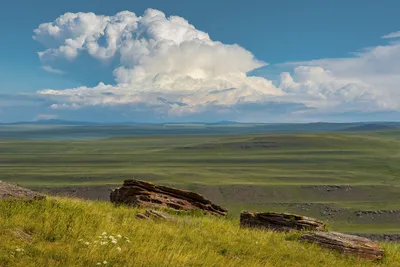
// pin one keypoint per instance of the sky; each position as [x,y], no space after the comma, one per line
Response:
[180,61]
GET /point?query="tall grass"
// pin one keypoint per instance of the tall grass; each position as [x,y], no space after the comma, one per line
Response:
[69,232]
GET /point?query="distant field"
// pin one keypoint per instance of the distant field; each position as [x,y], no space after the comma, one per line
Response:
[340,171]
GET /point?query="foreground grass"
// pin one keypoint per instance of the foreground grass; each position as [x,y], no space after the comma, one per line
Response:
[65,232]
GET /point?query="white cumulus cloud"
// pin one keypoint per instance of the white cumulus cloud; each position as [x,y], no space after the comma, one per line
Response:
[322,89]
[166,65]
[368,81]
[163,61]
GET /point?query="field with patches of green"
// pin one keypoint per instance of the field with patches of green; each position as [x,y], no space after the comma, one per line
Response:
[328,175]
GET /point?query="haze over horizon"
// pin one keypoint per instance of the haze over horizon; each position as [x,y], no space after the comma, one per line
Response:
[254,62]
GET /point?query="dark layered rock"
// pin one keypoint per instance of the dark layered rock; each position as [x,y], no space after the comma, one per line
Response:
[145,194]
[14,192]
[280,221]
[347,244]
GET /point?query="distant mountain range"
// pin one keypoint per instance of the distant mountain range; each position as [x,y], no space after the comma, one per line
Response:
[60,129]
[375,127]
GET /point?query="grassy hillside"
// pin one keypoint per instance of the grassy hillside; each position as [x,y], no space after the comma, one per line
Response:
[258,172]
[65,232]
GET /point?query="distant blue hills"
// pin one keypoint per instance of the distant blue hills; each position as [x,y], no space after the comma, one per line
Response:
[348,126]
[65,130]
[351,126]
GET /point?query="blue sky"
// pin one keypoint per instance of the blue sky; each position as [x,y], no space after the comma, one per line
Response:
[326,60]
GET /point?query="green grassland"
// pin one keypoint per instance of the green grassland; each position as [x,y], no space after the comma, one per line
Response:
[68,232]
[257,172]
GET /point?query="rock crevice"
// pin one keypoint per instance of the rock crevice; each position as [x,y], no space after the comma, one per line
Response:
[280,221]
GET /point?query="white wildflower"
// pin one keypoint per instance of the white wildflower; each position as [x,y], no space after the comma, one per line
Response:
[111,237]
[99,263]
[105,262]
[104,233]
[119,248]
[87,243]
[19,249]
[114,241]
[119,236]
[128,241]
[103,243]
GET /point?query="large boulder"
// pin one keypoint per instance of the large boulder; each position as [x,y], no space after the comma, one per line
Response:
[347,244]
[14,192]
[280,221]
[145,194]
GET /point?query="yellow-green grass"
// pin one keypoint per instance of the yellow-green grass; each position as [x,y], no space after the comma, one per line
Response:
[54,232]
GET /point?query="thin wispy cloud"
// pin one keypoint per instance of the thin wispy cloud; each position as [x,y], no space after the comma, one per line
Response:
[52,70]
[46,117]
[392,35]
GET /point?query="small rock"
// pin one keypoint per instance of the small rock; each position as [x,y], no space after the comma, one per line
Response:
[346,244]
[14,192]
[150,214]
[141,216]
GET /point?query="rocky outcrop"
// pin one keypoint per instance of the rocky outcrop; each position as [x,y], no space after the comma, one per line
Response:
[346,244]
[280,221]
[152,214]
[14,192]
[145,194]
